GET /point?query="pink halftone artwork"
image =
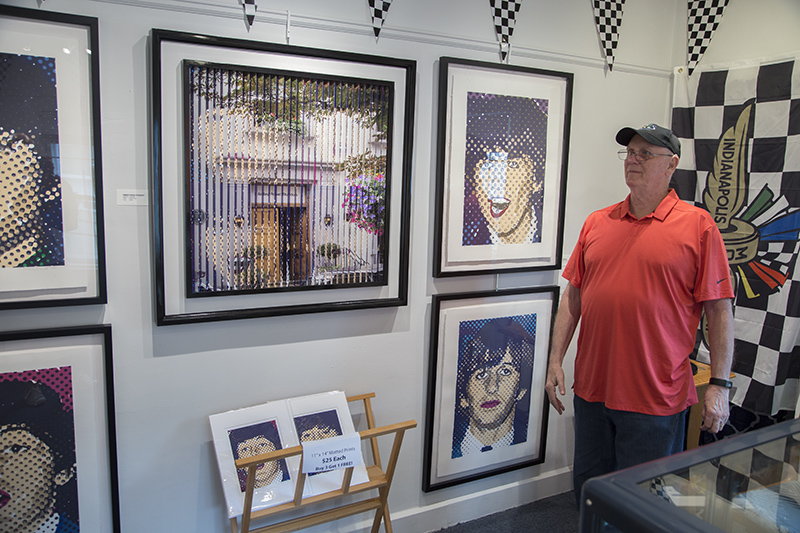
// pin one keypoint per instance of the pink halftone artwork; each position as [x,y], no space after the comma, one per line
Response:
[58,379]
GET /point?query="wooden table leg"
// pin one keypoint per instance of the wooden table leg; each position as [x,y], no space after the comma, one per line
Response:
[695,420]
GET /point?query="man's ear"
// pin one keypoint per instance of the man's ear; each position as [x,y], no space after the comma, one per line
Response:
[64,476]
[673,161]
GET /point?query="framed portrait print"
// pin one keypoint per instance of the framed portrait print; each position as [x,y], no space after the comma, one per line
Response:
[487,410]
[57,431]
[51,208]
[501,168]
[281,178]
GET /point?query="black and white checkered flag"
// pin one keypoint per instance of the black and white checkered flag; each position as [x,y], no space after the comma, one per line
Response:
[608,18]
[378,10]
[704,17]
[250,11]
[504,13]
[744,108]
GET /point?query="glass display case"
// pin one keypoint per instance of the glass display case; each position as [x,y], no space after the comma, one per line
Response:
[747,483]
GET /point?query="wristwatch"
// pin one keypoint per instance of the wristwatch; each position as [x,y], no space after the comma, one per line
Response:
[720,383]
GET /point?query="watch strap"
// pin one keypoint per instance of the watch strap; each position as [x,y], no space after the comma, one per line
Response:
[720,382]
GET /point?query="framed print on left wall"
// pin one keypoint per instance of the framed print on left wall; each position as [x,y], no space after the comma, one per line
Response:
[281,178]
[52,250]
[501,168]
[57,431]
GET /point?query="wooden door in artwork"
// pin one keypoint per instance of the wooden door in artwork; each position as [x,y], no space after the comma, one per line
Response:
[266,243]
[294,224]
[280,233]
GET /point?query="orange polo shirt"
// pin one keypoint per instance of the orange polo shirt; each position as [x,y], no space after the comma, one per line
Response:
[642,284]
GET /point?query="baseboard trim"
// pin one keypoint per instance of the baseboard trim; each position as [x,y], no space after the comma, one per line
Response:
[475,505]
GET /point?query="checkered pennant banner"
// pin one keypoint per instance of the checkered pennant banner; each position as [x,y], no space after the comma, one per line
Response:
[250,11]
[378,9]
[608,18]
[704,17]
[504,15]
[740,137]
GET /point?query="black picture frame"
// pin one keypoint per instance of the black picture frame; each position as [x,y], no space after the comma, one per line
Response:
[65,228]
[492,118]
[453,453]
[174,303]
[71,368]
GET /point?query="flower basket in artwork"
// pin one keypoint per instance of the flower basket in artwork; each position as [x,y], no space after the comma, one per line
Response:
[365,202]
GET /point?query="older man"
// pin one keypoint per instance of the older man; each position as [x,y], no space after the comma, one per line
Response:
[640,277]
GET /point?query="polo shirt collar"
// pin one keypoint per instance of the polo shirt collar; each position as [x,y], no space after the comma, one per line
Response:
[661,212]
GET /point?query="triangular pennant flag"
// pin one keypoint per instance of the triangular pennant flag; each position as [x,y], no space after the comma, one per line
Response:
[378,9]
[704,17]
[250,11]
[504,13]
[608,18]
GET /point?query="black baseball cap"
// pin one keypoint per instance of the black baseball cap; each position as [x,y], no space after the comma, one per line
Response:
[654,134]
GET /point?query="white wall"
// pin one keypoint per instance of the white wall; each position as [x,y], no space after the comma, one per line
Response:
[169,379]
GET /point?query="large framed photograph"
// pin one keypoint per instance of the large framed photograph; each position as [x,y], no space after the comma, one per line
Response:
[501,170]
[57,431]
[281,178]
[487,410]
[51,201]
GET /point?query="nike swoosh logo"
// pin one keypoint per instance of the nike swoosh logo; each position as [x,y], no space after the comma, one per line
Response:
[720,281]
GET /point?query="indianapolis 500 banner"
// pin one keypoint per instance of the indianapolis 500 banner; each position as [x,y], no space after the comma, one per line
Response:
[740,134]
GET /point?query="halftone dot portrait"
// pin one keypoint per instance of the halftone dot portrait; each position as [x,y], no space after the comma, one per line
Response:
[38,472]
[495,365]
[258,439]
[318,426]
[504,169]
[31,230]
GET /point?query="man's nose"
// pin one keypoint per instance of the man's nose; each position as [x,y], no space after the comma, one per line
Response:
[492,382]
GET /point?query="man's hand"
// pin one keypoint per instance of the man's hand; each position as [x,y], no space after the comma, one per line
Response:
[569,313]
[555,380]
[716,408]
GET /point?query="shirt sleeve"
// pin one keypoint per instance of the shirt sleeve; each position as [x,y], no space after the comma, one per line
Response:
[714,273]
[576,266]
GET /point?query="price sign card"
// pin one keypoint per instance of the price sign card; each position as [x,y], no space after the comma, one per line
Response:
[331,454]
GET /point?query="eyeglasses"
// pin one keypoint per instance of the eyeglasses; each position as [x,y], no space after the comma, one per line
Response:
[641,156]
